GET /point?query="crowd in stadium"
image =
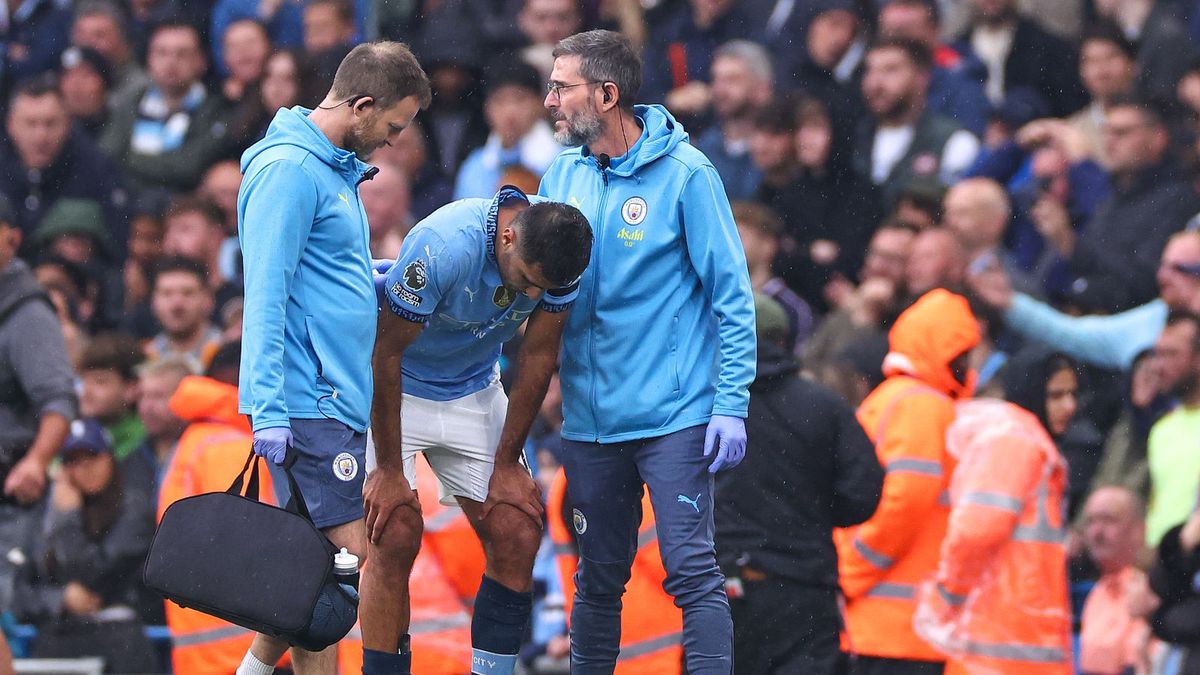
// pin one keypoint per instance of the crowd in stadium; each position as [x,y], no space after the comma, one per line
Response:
[1028,170]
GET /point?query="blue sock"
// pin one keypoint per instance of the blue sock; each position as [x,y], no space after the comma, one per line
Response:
[501,616]
[383,663]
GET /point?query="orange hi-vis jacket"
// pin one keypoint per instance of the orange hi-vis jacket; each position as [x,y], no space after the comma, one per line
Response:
[1000,601]
[208,457]
[651,624]
[445,578]
[881,561]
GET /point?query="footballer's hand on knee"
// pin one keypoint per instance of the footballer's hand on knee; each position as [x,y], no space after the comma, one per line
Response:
[511,484]
[384,491]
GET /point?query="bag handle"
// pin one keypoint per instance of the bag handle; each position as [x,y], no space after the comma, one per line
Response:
[235,488]
[295,504]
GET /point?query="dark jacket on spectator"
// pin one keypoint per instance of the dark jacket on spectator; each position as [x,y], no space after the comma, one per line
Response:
[1116,256]
[1040,61]
[809,468]
[35,374]
[37,34]
[679,51]
[177,170]
[1165,53]
[1177,619]
[81,171]
[921,161]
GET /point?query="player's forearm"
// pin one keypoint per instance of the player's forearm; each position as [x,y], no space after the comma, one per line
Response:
[385,410]
[535,366]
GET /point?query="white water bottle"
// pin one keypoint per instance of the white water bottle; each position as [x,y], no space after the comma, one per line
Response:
[345,567]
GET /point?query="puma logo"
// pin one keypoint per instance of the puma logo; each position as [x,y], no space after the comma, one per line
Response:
[344,198]
[694,503]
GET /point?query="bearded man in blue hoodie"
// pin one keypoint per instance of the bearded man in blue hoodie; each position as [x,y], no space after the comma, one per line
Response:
[311,308]
[658,355]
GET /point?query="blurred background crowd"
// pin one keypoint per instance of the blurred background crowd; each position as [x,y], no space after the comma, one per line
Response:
[1040,158]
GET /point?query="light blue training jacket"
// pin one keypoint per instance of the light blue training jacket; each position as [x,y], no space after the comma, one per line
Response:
[309,320]
[661,336]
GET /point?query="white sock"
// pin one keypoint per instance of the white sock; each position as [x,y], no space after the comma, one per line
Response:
[252,666]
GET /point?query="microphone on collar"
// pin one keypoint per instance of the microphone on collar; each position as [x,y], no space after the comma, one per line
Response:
[603,160]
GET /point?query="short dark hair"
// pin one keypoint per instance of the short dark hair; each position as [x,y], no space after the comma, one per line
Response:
[180,264]
[386,71]
[204,206]
[757,217]
[778,116]
[112,351]
[1104,30]
[178,23]
[343,8]
[930,6]
[1178,316]
[917,52]
[606,56]
[105,8]
[558,237]
[38,86]
[226,363]
[1154,112]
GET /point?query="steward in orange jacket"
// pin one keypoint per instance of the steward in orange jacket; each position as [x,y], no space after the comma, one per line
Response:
[999,603]
[651,624]
[209,455]
[881,561]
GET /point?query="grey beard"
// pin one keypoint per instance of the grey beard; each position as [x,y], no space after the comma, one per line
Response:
[582,130]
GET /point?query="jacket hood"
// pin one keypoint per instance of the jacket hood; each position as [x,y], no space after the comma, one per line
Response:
[927,336]
[660,134]
[17,284]
[203,399]
[774,363]
[291,126]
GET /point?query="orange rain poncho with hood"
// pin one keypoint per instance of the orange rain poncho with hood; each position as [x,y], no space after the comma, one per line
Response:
[1000,602]
[882,561]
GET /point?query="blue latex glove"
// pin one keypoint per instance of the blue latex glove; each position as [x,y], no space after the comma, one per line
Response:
[379,270]
[382,265]
[273,443]
[728,434]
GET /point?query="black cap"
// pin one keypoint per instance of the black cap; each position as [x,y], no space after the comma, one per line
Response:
[77,56]
[513,73]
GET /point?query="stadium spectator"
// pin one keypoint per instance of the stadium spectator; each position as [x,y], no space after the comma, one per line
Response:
[862,310]
[828,68]
[108,389]
[37,399]
[1111,260]
[157,382]
[1107,69]
[937,261]
[246,48]
[1174,468]
[101,25]
[904,141]
[85,79]
[283,21]
[1175,602]
[519,133]
[194,228]
[80,583]
[742,82]
[1114,533]
[387,200]
[1012,51]
[143,252]
[761,231]
[328,34]
[1112,341]
[410,153]
[34,37]
[1164,49]
[220,185]
[773,153]
[803,476]
[542,24]
[953,90]
[681,54]
[43,161]
[75,229]
[182,302]
[977,211]
[166,133]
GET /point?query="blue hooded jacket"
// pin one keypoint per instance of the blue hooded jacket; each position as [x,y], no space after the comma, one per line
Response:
[662,334]
[309,321]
